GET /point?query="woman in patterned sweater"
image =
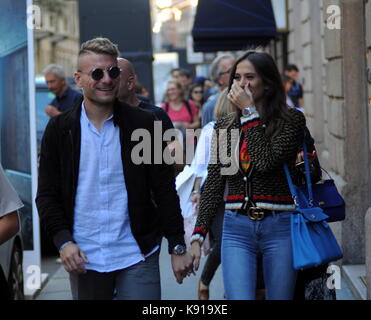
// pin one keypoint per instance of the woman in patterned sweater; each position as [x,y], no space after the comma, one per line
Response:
[248,152]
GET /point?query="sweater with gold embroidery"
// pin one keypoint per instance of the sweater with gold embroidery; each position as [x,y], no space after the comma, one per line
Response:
[262,182]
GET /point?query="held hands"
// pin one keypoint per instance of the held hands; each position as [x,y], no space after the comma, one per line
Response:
[73,258]
[241,97]
[182,266]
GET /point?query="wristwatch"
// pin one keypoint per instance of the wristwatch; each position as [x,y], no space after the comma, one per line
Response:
[248,111]
[179,250]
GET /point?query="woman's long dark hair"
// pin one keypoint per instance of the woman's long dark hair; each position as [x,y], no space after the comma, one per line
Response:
[275,109]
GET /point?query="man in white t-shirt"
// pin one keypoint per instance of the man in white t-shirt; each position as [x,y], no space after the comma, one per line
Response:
[9,204]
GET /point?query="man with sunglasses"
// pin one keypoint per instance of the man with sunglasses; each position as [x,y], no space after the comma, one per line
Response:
[95,201]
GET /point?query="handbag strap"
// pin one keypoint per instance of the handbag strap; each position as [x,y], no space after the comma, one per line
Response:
[291,185]
[307,179]
[307,175]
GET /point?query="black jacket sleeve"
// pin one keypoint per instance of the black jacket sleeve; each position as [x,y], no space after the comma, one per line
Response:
[49,194]
[162,183]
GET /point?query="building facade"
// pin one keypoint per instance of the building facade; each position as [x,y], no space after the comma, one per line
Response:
[330,42]
[57,39]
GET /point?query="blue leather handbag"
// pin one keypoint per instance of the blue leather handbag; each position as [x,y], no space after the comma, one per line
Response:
[313,242]
[324,195]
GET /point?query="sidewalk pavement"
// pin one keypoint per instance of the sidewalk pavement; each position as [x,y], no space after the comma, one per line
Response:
[58,287]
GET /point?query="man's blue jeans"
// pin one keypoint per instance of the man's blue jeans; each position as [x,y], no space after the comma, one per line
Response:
[243,239]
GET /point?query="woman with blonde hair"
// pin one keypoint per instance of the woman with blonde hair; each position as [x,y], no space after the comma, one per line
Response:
[189,184]
[183,113]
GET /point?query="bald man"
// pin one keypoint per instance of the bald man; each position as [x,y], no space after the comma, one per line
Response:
[126,93]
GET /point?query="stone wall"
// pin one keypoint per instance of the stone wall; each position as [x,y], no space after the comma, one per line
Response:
[336,113]
[368,43]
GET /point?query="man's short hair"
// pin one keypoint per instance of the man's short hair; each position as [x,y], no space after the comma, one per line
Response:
[99,46]
[174,70]
[215,66]
[185,73]
[55,69]
[292,67]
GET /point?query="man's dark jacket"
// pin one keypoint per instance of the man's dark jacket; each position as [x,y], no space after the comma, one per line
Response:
[58,178]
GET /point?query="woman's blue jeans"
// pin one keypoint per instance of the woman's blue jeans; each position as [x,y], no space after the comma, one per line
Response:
[243,239]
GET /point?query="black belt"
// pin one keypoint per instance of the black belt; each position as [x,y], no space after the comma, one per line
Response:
[255,213]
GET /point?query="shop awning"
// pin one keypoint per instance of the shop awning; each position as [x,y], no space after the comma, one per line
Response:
[223,25]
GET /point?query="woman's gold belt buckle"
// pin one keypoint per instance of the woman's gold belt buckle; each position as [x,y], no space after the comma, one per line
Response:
[256,213]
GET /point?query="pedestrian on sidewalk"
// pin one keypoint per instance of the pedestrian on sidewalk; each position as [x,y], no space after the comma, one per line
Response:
[127,93]
[219,73]
[259,204]
[65,96]
[95,200]
[222,108]
[183,112]
[296,92]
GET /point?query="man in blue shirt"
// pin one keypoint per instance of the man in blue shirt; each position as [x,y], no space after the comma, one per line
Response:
[95,198]
[65,96]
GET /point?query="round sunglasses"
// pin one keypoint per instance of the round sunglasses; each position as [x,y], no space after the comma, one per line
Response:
[98,73]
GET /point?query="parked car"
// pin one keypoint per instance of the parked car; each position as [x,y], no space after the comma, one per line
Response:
[11,259]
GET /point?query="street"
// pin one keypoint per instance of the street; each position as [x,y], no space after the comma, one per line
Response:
[58,287]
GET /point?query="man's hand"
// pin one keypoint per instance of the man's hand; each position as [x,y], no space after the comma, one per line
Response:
[73,258]
[196,254]
[51,111]
[182,266]
[195,199]
[300,156]
[300,163]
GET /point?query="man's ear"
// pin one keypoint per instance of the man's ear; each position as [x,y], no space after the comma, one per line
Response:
[77,77]
[131,83]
